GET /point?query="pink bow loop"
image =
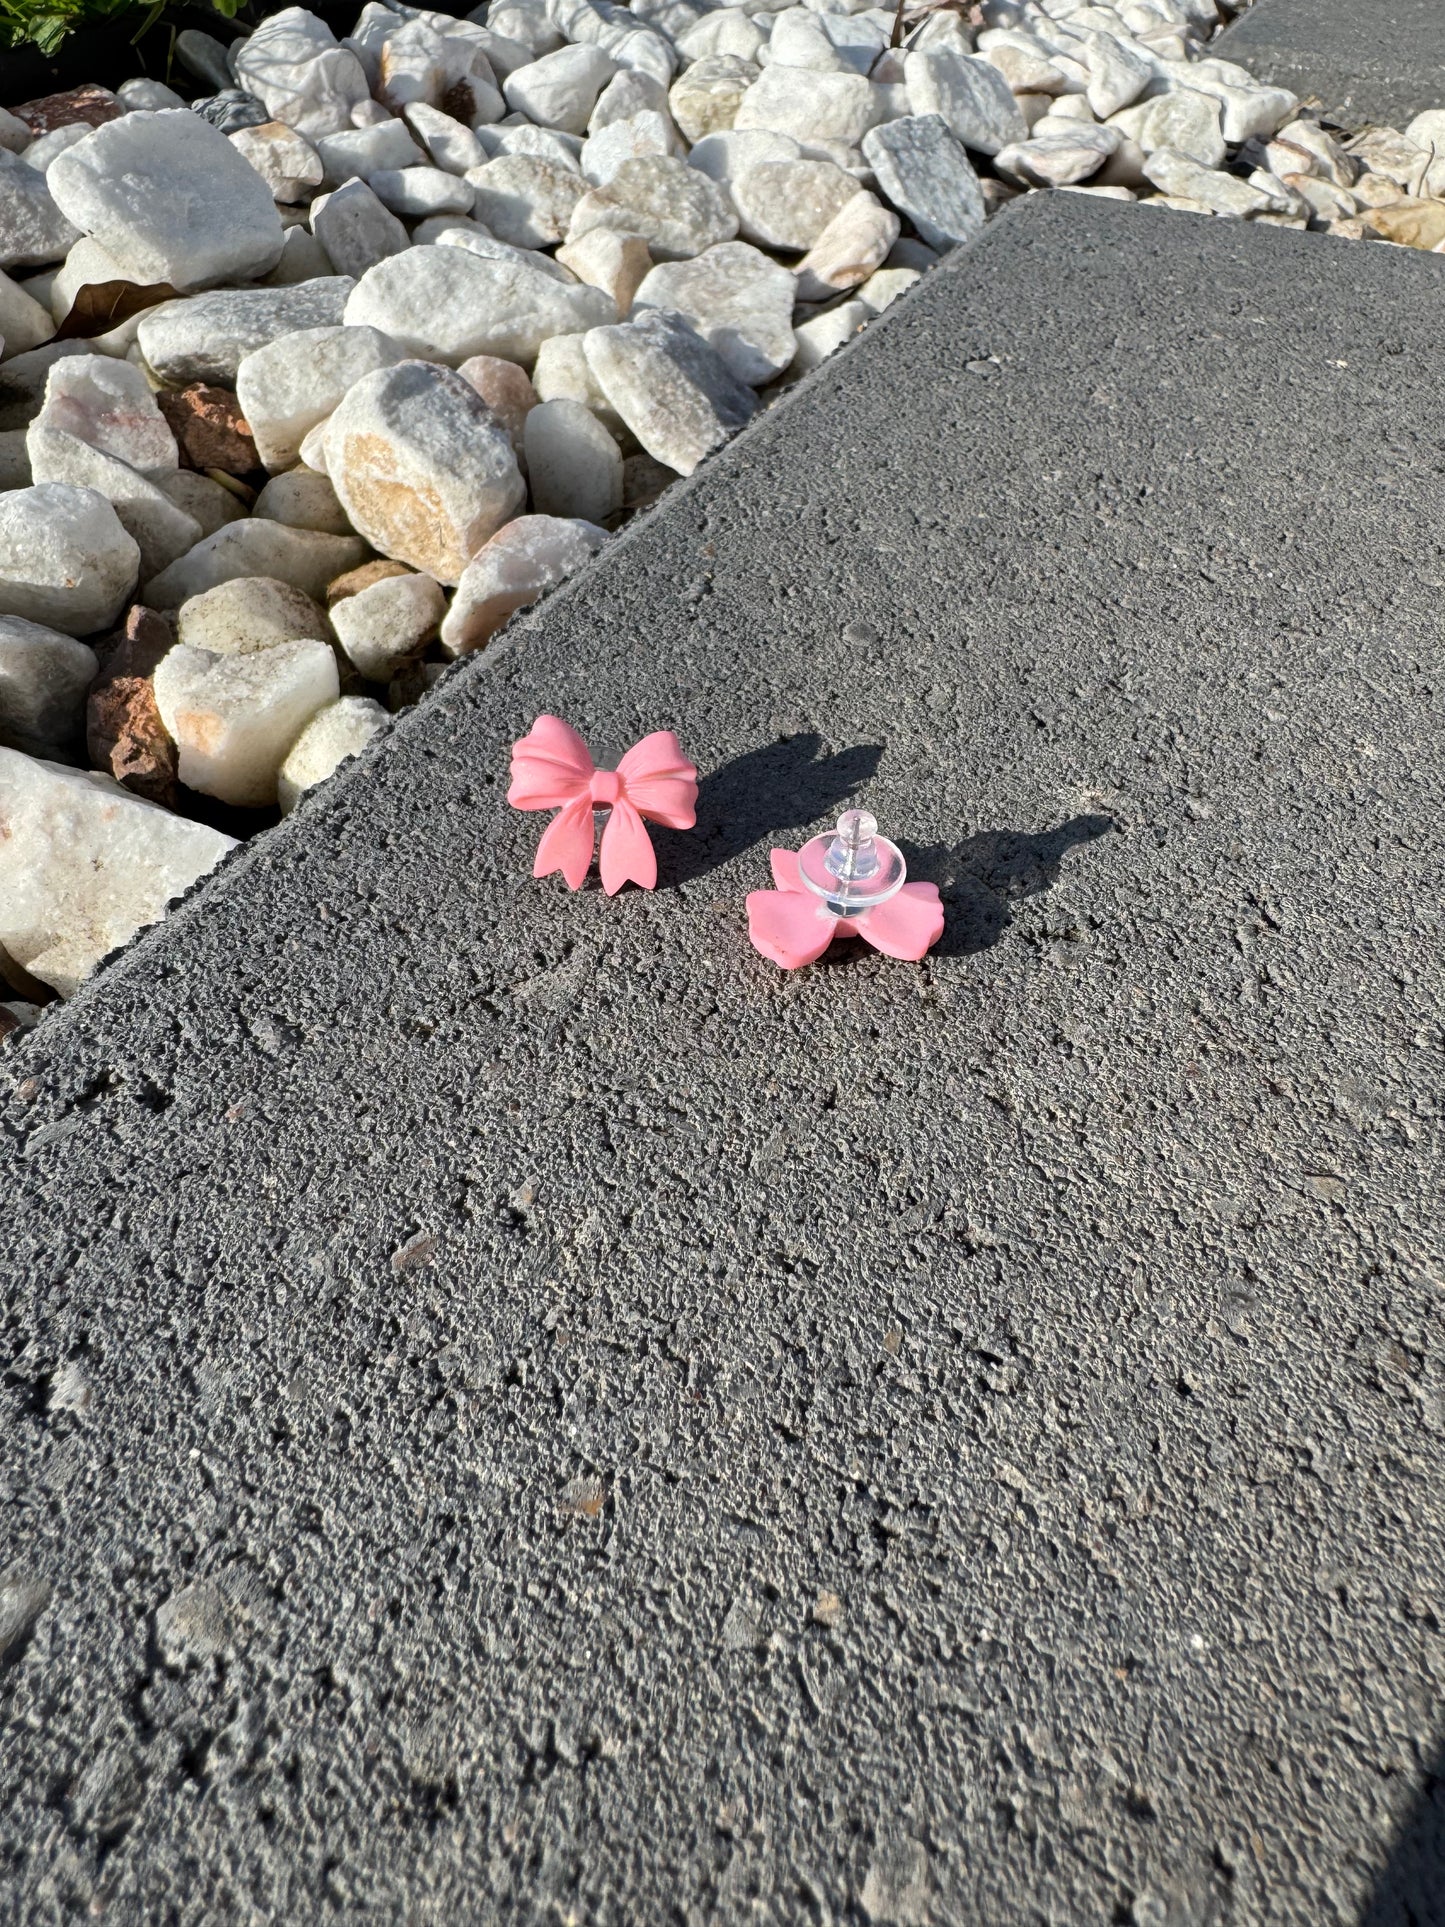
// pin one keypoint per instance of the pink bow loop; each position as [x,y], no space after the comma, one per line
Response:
[792,927]
[552,769]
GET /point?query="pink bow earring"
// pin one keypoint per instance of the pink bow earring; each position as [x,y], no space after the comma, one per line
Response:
[851,884]
[552,769]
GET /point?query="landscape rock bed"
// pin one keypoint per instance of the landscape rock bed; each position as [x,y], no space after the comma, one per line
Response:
[310,383]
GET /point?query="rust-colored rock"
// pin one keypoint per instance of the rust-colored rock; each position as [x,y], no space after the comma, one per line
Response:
[355,580]
[210,429]
[90,104]
[124,732]
[1410,223]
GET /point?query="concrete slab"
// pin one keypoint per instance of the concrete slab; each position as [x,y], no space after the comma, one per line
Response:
[1380,64]
[526,1413]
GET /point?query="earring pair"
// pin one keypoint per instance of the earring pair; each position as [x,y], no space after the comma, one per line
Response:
[851,884]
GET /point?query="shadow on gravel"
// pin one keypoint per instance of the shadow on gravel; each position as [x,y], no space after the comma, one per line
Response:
[982,877]
[785,786]
[1410,1891]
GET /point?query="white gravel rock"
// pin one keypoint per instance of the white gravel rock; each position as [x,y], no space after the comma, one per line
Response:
[383,627]
[24,323]
[519,564]
[44,676]
[787,204]
[233,718]
[474,238]
[286,161]
[419,192]
[40,153]
[446,304]
[170,196]
[923,171]
[341,730]
[561,89]
[825,43]
[1188,122]
[676,209]
[561,373]
[706,98]
[449,143]
[418,63]
[303,498]
[160,529]
[356,230]
[84,864]
[625,140]
[881,290]
[726,157]
[972,96]
[255,546]
[818,338]
[542,143]
[853,245]
[789,100]
[65,559]
[211,506]
[616,263]
[675,392]
[108,404]
[574,466]
[627,94]
[725,30]
[208,337]
[1058,154]
[1226,194]
[294,65]
[1118,73]
[250,613]
[738,300]
[33,230]
[356,153]
[294,382]
[525,201]
[422,467]
[141,95]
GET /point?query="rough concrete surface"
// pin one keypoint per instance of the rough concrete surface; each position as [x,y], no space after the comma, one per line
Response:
[517,1410]
[1366,61]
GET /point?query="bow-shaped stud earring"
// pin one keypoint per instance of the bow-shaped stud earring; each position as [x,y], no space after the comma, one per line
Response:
[552,769]
[848,885]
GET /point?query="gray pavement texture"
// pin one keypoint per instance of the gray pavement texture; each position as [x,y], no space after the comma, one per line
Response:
[1368,62]
[517,1410]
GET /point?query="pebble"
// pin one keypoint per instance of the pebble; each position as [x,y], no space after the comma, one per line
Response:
[968,93]
[923,172]
[1058,154]
[574,466]
[561,89]
[825,43]
[1184,120]
[109,405]
[303,498]
[418,192]
[356,230]
[449,143]
[726,157]
[809,106]
[33,230]
[616,263]
[339,731]
[287,162]
[475,239]
[306,560]
[626,94]
[524,200]
[520,563]
[450,304]
[117,187]
[125,736]
[359,152]
[85,865]
[208,426]
[725,30]
[231,110]
[706,98]
[820,336]
[385,625]
[39,154]
[675,209]
[422,467]
[24,323]
[853,245]
[788,204]
[233,718]
[210,504]
[625,140]
[208,337]
[44,676]
[286,387]
[675,392]
[293,64]
[739,300]
[1177,175]
[247,614]
[160,530]
[561,373]
[65,559]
